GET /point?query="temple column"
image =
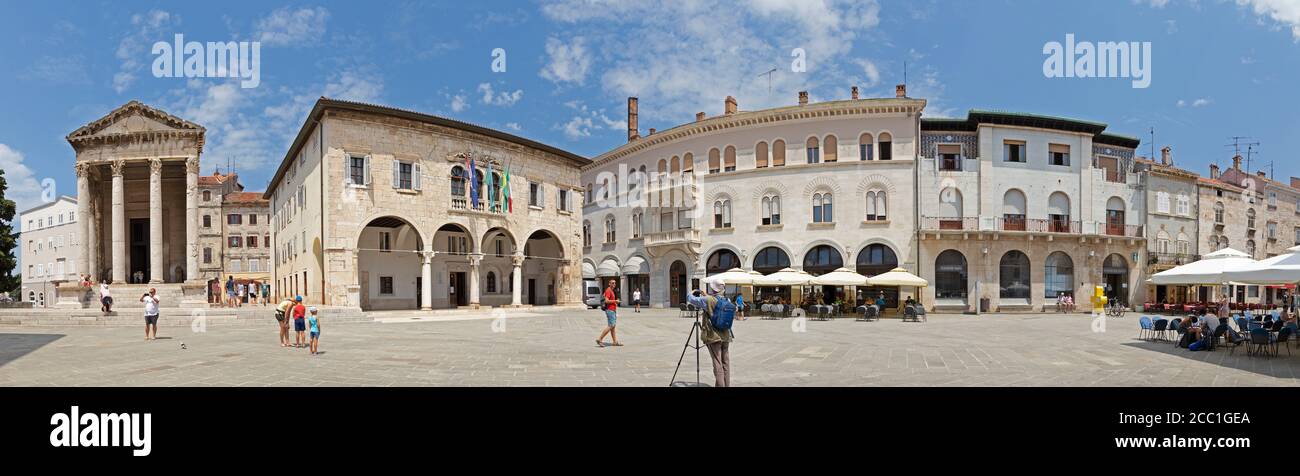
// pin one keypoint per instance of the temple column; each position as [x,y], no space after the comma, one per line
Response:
[83,214]
[191,219]
[155,222]
[516,280]
[91,239]
[119,223]
[474,260]
[426,282]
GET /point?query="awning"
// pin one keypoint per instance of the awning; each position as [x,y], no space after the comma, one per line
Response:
[636,265]
[1213,268]
[609,267]
[897,277]
[588,270]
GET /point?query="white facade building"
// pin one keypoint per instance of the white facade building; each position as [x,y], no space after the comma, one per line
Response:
[49,243]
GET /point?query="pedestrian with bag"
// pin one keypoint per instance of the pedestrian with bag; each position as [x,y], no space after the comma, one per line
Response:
[715,330]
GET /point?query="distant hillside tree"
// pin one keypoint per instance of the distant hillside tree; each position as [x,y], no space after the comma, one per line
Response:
[8,242]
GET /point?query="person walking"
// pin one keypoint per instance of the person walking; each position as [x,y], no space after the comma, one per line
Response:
[266,293]
[299,322]
[105,298]
[230,291]
[241,290]
[636,300]
[313,321]
[253,287]
[150,301]
[611,316]
[740,306]
[717,340]
[282,313]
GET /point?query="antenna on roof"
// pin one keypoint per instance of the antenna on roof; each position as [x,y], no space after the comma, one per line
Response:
[1153,145]
[769,79]
[904,75]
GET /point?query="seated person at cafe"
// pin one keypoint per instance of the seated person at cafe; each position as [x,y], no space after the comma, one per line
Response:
[1193,326]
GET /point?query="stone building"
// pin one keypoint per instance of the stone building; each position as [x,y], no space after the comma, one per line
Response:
[381,208]
[1271,218]
[129,163]
[813,186]
[49,250]
[1172,223]
[234,230]
[1016,209]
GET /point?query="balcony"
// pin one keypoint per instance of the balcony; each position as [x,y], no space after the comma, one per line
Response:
[950,223]
[462,203]
[1038,225]
[1171,259]
[688,236]
[1127,231]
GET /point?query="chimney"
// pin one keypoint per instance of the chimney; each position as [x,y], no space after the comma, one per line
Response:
[729,106]
[854,91]
[699,116]
[1261,174]
[1295,182]
[632,133]
[652,131]
[1214,171]
[900,91]
[803,98]
[1236,162]
[1166,156]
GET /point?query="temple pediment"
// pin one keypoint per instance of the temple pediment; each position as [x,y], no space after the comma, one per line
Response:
[134,118]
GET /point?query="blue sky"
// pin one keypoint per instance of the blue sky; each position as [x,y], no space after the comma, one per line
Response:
[1220,68]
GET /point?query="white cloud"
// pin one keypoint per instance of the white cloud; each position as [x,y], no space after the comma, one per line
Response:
[24,188]
[587,120]
[458,103]
[577,128]
[1285,12]
[514,126]
[290,27]
[133,49]
[1198,102]
[684,57]
[502,98]
[568,62]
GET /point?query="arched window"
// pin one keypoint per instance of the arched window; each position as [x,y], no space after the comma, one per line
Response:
[778,153]
[1162,242]
[814,152]
[886,146]
[1223,242]
[876,259]
[1013,210]
[1058,275]
[586,233]
[1115,217]
[610,229]
[1058,213]
[715,161]
[722,213]
[877,206]
[491,282]
[675,166]
[1013,276]
[771,209]
[688,163]
[1184,244]
[951,209]
[950,276]
[822,210]
[770,260]
[1218,212]
[832,148]
[760,155]
[822,259]
[866,150]
[457,181]
[721,261]
[729,159]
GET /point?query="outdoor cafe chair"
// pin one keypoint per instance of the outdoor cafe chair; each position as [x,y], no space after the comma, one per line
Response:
[1144,325]
[1176,327]
[1282,337]
[869,313]
[1158,329]
[1219,333]
[1260,340]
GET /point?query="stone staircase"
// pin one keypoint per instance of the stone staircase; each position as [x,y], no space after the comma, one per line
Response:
[127,296]
[169,317]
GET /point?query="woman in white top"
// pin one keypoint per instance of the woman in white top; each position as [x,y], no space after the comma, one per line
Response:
[105,299]
[636,300]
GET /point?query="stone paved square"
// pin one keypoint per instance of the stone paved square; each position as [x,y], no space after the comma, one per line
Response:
[556,348]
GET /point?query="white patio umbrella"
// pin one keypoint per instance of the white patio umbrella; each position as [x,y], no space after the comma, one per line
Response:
[1211,269]
[785,277]
[1281,269]
[841,277]
[897,277]
[733,276]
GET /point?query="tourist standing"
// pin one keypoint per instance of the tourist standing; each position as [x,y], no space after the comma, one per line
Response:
[718,341]
[611,316]
[230,291]
[282,313]
[636,300]
[253,287]
[313,321]
[299,322]
[150,301]
[266,293]
[105,298]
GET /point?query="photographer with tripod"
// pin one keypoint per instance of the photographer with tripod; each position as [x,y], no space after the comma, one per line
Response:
[715,329]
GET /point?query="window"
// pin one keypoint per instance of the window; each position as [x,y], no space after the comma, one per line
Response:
[254,266]
[252,241]
[234,219]
[207,196]
[235,241]
[358,170]
[778,153]
[610,229]
[586,234]
[1184,205]
[729,159]
[385,241]
[760,155]
[822,259]
[1058,213]
[1162,202]
[950,157]
[1250,219]
[688,163]
[1013,276]
[821,208]
[638,223]
[886,146]
[235,265]
[1272,230]
[1013,210]
[865,151]
[1272,199]
[1250,248]
[876,259]
[1013,151]
[386,285]
[771,210]
[491,282]
[814,151]
[832,148]
[207,255]
[1218,213]
[722,214]
[715,161]
[877,206]
[406,175]
[534,194]
[564,200]
[1058,276]
[770,260]
[720,261]
[1297,235]
[1058,154]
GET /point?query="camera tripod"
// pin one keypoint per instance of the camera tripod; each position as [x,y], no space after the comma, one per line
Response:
[694,334]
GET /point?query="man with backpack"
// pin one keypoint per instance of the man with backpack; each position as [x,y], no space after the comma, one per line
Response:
[715,330]
[610,304]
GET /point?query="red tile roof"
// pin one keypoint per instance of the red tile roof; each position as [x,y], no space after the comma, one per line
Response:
[216,178]
[245,197]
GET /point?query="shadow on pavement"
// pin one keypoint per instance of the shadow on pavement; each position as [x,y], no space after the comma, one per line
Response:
[13,346]
[1282,366]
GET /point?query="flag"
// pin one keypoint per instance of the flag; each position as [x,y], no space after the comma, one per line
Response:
[491,186]
[510,201]
[473,183]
